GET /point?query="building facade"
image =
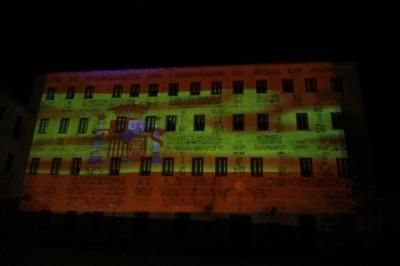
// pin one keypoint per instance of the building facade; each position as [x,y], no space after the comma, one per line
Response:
[260,140]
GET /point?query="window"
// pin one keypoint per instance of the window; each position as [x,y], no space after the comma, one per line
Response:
[168,166]
[342,167]
[287,85]
[170,123]
[302,121]
[262,122]
[55,166]
[17,127]
[261,86]
[70,93]
[256,165]
[337,120]
[63,125]
[238,121]
[195,88]
[216,87]
[50,93]
[9,163]
[145,166]
[34,166]
[153,90]
[199,122]
[89,92]
[306,167]
[135,90]
[117,91]
[238,86]
[115,165]
[44,122]
[76,166]
[83,125]
[120,124]
[336,84]
[149,123]
[173,89]
[197,166]
[311,85]
[221,166]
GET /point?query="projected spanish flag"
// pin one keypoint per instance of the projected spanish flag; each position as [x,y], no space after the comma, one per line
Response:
[222,139]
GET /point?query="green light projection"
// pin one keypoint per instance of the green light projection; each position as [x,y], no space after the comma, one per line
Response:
[280,148]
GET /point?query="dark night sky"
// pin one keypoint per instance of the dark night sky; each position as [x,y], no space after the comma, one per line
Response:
[149,35]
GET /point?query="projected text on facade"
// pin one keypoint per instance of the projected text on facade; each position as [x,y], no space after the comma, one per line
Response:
[236,139]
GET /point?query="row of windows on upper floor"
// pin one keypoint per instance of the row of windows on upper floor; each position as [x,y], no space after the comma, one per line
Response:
[195,88]
[199,121]
[221,166]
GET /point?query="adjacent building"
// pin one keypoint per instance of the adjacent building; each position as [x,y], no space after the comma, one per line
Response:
[17,122]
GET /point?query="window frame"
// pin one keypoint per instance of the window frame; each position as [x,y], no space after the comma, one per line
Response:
[168,166]
[256,166]
[9,163]
[306,167]
[50,94]
[337,120]
[262,121]
[76,166]
[135,90]
[117,91]
[120,124]
[238,122]
[43,125]
[221,166]
[70,94]
[149,123]
[89,91]
[56,166]
[288,86]
[336,84]
[197,166]
[173,89]
[34,166]
[342,167]
[216,87]
[153,90]
[261,86]
[302,121]
[17,129]
[237,87]
[83,125]
[64,125]
[115,166]
[170,123]
[311,85]
[145,166]
[195,88]
[199,122]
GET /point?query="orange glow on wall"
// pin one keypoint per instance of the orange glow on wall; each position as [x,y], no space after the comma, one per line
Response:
[249,131]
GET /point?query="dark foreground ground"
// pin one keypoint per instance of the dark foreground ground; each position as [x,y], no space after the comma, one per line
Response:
[48,239]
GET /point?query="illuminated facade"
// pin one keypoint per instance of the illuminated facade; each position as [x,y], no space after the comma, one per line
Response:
[246,139]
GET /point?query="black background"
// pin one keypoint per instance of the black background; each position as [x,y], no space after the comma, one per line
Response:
[36,40]
[153,34]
